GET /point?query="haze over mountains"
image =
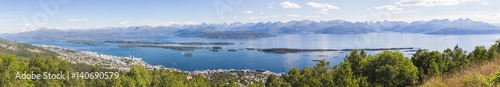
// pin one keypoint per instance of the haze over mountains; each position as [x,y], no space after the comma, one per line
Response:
[443,26]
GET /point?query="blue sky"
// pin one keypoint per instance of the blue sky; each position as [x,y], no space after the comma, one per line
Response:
[25,15]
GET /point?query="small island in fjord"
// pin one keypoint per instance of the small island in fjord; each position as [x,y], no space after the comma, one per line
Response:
[166,47]
[85,42]
[137,42]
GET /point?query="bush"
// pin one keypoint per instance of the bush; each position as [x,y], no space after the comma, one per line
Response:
[478,81]
[496,78]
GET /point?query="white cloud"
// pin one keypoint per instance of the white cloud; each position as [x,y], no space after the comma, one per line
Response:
[124,22]
[292,15]
[431,3]
[77,19]
[388,7]
[313,16]
[248,12]
[323,11]
[290,5]
[322,5]
[260,17]
[485,3]
[261,12]
[484,17]
[494,14]
[276,16]
[271,3]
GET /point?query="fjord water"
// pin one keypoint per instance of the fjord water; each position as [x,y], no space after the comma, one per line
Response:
[204,59]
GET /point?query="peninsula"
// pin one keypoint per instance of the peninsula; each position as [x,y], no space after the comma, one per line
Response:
[293,50]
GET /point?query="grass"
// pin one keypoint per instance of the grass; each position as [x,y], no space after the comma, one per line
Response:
[458,79]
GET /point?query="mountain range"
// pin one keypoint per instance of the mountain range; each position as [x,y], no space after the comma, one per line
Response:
[439,27]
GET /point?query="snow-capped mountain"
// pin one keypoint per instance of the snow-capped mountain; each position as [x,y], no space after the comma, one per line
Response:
[442,26]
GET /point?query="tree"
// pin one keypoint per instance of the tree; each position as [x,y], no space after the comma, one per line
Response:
[493,51]
[479,54]
[96,82]
[293,76]
[389,68]
[344,76]
[198,81]
[354,58]
[321,76]
[430,63]
[496,46]
[9,67]
[272,81]
[458,57]
[140,75]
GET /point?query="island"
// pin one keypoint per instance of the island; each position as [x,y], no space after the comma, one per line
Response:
[226,34]
[137,42]
[232,49]
[85,42]
[188,54]
[216,47]
[166,47]
[203,43]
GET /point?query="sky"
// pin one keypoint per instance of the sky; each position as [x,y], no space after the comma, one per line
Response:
[25,15]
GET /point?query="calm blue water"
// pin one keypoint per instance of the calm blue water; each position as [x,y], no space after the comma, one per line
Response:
[203,59]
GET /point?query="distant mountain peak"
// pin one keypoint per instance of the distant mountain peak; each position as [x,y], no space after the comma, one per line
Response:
[446,26]
[467,20]
[434,26]
[44,29]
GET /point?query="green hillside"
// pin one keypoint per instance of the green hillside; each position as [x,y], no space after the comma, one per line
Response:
[23,50]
